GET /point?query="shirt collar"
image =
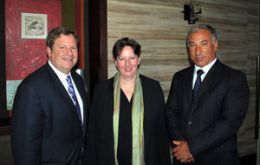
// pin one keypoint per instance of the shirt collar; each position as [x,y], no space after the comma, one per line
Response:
[205,68]
[60,74]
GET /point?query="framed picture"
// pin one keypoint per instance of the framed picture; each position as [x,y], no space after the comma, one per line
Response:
[34,26]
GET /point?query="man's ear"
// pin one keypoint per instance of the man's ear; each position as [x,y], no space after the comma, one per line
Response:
[48,51]
[216,45]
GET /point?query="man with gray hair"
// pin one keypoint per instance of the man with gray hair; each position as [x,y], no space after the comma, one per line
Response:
[207,104]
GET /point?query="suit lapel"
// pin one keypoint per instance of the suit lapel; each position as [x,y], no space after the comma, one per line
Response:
[211,78]
[82,91]
[188,84]
[58,86]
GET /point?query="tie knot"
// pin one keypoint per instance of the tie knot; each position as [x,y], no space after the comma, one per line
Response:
[200,72]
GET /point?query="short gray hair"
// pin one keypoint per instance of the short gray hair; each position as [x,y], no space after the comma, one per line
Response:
[207,27]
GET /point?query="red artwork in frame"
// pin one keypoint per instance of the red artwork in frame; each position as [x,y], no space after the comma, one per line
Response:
[21,55]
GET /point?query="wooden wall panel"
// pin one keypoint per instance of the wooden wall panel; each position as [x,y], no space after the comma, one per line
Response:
[159,27]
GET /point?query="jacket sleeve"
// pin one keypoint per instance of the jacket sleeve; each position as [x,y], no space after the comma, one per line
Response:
[173,113]
[91,147]
[163,140]
[26,126]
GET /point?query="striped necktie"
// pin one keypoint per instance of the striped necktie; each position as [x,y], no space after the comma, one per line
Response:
[72,93]
[197,82]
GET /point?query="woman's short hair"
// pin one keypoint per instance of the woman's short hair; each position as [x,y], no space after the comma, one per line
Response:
[121,43]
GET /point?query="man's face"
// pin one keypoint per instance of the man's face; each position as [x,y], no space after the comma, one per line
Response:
[202,49]
[64,53]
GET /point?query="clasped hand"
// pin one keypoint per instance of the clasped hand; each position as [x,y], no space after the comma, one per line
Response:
[181,152]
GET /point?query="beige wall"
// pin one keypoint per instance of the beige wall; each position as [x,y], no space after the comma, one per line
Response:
[159,27]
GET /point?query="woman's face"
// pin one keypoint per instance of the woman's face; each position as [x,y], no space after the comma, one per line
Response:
[127,62]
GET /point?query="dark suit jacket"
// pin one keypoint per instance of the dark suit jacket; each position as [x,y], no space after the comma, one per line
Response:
[210,122]
[45,126]
[100,134]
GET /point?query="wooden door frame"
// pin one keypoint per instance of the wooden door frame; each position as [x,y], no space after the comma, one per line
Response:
[97,42]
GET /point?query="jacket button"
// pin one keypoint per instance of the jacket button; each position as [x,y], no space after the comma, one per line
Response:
[190,122]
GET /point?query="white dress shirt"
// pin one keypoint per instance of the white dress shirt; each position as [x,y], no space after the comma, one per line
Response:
[62,78]
[205,70]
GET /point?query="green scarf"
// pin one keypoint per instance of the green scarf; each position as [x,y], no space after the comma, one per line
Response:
[137,120]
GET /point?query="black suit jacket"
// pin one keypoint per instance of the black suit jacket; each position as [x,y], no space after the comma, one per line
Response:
[45,126]
[210,122]
[100,134]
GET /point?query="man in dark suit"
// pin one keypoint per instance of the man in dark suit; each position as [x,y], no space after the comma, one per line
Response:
[50,108]
[205,109]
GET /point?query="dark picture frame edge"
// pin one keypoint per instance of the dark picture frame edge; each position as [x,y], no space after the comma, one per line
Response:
[4,114]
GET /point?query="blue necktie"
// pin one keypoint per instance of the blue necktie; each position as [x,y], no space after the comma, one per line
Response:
[197,83]
[73,96]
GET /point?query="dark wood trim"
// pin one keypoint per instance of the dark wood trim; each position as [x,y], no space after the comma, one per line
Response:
[98,42]
[86,45]
[4,114]
[68,9]
[257,102]
[79,26]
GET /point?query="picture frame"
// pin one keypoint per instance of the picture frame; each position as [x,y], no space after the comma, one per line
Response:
[33,26]
[4,114]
